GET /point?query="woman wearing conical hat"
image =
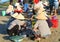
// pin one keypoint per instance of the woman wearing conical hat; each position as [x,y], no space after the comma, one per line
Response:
[15,25]
[41,23]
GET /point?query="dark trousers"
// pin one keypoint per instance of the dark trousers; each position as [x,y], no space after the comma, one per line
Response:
[14,31]
[51,8]
[11,1]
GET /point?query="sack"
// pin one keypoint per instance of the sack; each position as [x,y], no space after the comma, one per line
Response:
[49,22]
[54,21]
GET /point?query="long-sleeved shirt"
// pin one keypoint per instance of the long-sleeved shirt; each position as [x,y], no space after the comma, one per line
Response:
[16,22]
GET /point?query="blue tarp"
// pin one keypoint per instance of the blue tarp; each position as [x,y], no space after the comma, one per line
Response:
[3,1]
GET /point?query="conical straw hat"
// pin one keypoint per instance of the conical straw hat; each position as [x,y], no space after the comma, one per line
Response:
[18,16]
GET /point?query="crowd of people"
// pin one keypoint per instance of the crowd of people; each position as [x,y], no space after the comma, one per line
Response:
[31,18]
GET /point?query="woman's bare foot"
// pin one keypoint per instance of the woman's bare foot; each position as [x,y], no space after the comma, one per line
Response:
[38,39]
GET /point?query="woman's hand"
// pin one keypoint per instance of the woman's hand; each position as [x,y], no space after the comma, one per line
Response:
[35,29]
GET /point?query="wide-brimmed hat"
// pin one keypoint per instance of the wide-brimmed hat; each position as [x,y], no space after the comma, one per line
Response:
[41,16]
[18,16]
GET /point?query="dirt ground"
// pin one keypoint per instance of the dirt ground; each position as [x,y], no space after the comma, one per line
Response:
[55,36]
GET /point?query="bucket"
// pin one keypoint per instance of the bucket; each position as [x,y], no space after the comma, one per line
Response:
[3,13]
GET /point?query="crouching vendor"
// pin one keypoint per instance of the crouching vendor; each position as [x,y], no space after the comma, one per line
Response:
[15,25]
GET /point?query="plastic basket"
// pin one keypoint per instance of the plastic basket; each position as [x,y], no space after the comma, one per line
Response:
[3,13]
